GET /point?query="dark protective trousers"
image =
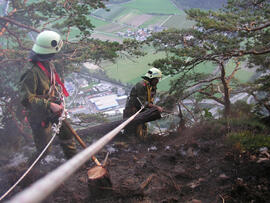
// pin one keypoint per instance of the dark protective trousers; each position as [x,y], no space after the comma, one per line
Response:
[139,130]
[43,134]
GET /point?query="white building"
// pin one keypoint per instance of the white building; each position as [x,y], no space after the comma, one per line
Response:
[105,102]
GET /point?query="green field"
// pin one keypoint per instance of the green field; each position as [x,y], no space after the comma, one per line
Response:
[178,21]
[106,36]
[153,6]
[129,17]
[128,71]
[127,11]
[243,75]
[155,20]
[206,68]
[114,12]
[110,28]
[98,22]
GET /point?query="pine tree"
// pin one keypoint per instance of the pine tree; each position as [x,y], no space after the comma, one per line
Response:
[238,34]
[22,20]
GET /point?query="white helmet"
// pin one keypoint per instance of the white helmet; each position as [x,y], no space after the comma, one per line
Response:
[153,73]
[48,42]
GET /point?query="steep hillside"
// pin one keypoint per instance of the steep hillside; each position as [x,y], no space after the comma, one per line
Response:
[195,166]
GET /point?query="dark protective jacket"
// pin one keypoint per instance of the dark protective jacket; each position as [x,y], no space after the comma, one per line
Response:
[35,86]
[36,95]
[142,92]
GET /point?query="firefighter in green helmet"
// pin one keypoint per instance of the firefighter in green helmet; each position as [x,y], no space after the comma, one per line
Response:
[42,93]
[142,94]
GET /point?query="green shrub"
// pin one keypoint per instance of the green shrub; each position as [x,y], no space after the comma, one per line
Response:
[241,109]
[247,140]
[245,124]
[248,124]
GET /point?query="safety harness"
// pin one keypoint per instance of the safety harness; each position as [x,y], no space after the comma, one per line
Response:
[54,77]
[149,90]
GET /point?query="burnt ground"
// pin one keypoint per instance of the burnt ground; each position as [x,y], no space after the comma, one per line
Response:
[193,166]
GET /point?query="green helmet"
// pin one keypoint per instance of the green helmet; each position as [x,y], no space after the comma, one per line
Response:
[47,42]
[153,73]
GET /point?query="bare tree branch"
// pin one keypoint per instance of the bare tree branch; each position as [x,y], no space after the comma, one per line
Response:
[5,26]
[212,97]
[203,81]
[9,20]
[12,60]
[234,71]
[251,29]
[15,36]
[254,52]
[187,110]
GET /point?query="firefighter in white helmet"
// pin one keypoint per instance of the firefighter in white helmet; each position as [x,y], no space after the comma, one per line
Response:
[42,93]
[142,94]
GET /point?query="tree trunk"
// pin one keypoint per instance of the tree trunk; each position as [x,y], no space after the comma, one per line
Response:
[143,117]
[98,181]
[227,102]
[182,122]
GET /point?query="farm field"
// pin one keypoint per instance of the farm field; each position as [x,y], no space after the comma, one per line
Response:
[110,28]
[98,22]
[153,6]
[155,20]
[134,19]
[178,21]
[141,13]
[106,36]
[114,11]
[132,15]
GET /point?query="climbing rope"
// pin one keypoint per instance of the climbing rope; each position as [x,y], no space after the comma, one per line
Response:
[55,130]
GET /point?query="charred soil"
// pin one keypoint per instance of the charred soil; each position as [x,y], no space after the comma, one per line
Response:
[196,165]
